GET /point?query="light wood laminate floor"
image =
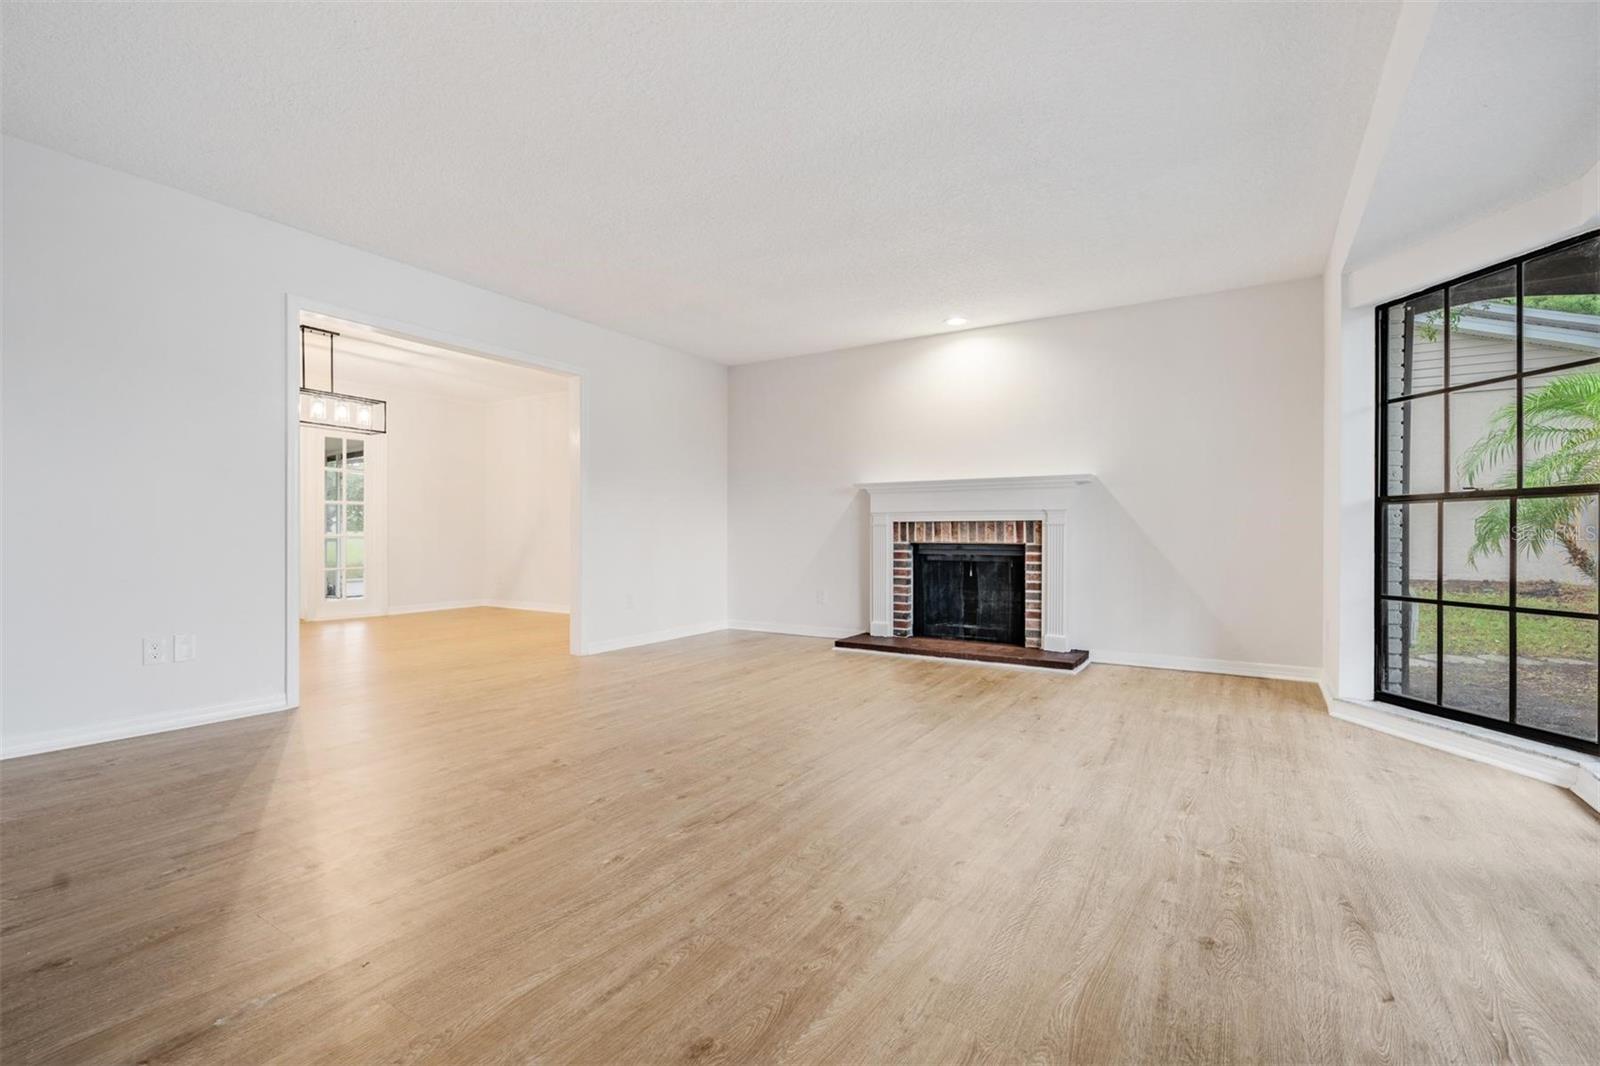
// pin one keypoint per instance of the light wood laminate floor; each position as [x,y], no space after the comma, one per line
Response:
[467,846]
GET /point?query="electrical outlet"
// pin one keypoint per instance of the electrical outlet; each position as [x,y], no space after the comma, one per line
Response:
[822,597]
[156,651]
[183,647]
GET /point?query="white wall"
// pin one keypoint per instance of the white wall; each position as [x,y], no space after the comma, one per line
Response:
[529,445]
[1201,417]
[123,520]
[1350,435]
[479,493]
[1347,386]
[436,491]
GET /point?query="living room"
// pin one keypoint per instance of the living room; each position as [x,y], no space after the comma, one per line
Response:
[823,532]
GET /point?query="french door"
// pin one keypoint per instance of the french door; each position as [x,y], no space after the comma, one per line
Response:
[343,524]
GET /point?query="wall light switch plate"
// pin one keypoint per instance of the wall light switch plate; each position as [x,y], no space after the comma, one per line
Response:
[183,647]
[156,651]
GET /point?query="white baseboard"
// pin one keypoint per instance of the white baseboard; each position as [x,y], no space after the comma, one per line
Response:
[794,629]
[529,605]
[599,647]
[1587,785]
[458,605]
[58,740]
[1542,762]
[442,605]
[1271,671]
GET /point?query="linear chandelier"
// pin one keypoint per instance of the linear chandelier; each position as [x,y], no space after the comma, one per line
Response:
[337,410]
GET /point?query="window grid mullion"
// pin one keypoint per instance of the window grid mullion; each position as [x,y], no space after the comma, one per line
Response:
[1585,489]
[1380,488]
[1385,569]
[1500,379]
[1502,608]
[1438,569]
[1513,539]
[1439,520]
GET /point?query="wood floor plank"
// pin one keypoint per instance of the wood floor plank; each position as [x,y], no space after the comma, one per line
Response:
[468,846]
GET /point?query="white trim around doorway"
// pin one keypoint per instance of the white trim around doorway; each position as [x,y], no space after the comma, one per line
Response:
[294,307]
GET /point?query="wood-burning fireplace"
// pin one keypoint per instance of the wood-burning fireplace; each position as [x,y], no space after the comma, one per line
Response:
[953,563]
[968,592]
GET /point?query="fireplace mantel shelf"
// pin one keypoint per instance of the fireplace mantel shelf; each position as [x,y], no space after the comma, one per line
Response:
[989,497]
[980,484]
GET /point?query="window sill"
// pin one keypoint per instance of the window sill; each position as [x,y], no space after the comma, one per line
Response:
[1543,762]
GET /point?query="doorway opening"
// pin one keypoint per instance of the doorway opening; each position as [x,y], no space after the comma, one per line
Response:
[428,478]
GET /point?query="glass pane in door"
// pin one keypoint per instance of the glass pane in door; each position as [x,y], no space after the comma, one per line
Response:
[344,516]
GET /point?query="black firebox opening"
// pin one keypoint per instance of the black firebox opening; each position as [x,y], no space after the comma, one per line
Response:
[967,592]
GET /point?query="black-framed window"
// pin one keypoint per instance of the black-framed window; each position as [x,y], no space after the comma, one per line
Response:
[1488,600]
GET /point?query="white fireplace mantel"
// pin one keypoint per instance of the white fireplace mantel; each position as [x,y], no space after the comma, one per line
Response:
[1045,499]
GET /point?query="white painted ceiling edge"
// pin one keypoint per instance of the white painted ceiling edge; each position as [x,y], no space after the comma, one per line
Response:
[762,181]
[741,181]
[1502,104]
[1572,209]
[1400,63]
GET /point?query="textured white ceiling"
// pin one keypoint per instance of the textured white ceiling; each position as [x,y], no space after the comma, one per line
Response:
[1504,105]
[742,181]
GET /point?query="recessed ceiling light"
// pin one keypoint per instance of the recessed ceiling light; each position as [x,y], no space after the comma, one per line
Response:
[955,320]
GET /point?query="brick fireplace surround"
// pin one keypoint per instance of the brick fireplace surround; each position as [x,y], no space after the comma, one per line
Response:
[1027,533]
[1031,511]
